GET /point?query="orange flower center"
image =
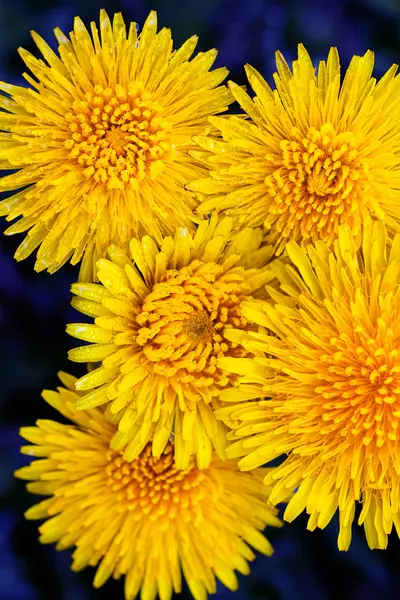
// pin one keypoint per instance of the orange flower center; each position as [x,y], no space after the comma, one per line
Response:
[362,382]
[155,484]
[118,135]
[319,182]
[183,318]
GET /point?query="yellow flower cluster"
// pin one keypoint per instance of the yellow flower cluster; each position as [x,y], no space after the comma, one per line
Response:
[241,274]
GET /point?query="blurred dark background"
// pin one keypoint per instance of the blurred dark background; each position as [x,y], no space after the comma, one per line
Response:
[35,307]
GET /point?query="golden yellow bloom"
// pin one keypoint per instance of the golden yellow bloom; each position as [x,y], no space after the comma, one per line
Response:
[158,330]
[101,140]
[143,519]
[329,361]
[314,153]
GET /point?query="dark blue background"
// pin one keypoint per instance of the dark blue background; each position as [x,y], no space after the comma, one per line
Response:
[34,308]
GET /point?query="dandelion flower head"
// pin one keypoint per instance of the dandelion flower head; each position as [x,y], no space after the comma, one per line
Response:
[328,383]
[159,317]
[313,154]
[144,520]
[100,141]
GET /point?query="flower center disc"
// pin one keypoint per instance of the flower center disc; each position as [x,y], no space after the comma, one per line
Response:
[154,484]
[362,382]
[118,135]
[117,139]
[183,318]
[198,326]
[319,182]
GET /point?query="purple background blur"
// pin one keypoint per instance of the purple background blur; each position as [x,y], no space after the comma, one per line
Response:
[35,308]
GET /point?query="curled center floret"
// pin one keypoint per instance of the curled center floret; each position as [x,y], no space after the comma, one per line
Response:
[362,384]
[154,484]
[118,135]
[318,181]
[183,318]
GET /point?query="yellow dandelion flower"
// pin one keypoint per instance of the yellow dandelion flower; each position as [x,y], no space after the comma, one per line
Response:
[313,154]
[145,519]
[329,360]
[159,317]
[101,140]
